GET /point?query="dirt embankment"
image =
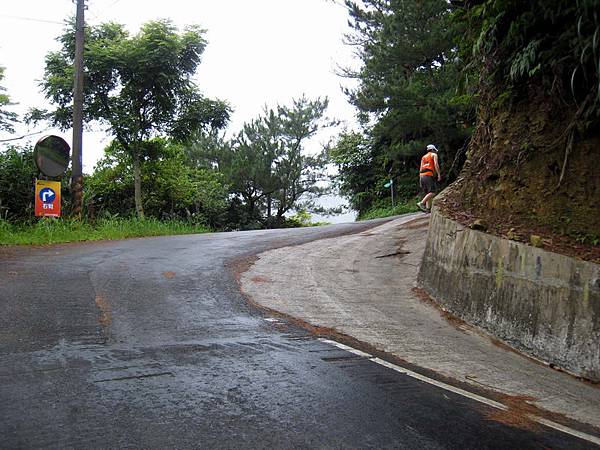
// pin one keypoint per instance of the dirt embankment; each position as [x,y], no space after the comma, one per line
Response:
[532,171]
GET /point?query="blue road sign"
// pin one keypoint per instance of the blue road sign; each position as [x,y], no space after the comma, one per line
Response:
[47,195]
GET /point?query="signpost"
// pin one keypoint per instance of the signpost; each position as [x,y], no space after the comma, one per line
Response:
[390,184]
[51,156]
[47,198]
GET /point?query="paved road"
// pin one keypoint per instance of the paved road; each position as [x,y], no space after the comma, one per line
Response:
[362,285]
[149,344]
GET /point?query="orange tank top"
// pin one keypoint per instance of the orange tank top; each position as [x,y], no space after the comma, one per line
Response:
[427,165]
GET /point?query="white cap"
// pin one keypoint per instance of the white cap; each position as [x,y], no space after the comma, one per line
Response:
[432,147]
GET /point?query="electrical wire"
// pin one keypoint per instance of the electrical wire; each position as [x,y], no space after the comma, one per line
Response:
[24,136]
[31,19]
[97,16]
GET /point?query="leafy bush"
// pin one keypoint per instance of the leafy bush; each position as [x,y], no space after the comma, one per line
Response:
[17,189]
[378,212]
[173,189]
[302,218]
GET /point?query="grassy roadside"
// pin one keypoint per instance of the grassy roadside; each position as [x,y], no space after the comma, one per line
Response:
[387,211]
[53,231]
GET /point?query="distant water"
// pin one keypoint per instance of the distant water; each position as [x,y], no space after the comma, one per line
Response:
[331,201]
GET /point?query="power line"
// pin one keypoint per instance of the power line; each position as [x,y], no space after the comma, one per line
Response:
[97,16]
[24,136]
[30,19]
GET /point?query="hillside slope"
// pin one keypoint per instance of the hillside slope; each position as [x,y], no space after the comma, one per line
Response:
[531,171]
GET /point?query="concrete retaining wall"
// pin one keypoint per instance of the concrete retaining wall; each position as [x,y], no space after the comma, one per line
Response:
[542,303]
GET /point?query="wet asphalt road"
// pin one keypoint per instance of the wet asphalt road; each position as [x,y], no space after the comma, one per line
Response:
[148,343]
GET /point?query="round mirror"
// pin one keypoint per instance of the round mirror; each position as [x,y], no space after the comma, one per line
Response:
[51,155]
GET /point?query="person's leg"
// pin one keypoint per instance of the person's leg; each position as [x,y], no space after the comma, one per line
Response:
[427,199]
[421,205]
[428,187]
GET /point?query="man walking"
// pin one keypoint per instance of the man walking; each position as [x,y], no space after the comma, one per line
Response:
[430,170]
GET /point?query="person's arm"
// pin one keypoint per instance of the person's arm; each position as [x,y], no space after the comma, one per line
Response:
[437,167]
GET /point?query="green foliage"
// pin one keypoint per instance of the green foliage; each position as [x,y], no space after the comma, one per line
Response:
[17,188]
[140,86]
[7,118]
[406,97]
[52,231]
[175,189]
[360,176]
[551,44]
[357,175]
[266,165]
[302,218]
[408,76]
[378,212]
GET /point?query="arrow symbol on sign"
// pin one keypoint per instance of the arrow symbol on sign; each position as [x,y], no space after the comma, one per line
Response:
[47,195]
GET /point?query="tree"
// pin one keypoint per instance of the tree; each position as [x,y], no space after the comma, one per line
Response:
[357,175]
[139,86]
[406,96]
[266,164]
[297,175]
[7,118]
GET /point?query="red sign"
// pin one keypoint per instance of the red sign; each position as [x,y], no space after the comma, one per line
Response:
[47,198]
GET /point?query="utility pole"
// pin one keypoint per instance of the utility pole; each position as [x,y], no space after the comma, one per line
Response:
[77,167]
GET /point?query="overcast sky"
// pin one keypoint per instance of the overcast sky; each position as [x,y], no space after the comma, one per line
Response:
[259,52]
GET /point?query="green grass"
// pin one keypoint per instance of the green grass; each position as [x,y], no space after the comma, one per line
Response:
[383,211]
[52,231]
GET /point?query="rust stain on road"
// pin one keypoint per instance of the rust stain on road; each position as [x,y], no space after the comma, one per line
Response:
[519,414]
[240,265]
[105,318]
[453,320]
[259,279]
[417,224]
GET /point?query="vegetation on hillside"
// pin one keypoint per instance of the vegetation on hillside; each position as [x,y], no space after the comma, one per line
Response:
[530,168]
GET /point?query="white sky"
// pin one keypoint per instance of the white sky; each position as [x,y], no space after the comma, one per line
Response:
[260,52]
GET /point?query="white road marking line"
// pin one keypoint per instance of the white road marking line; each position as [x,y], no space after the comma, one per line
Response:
[567,430]
[348,349]
[459,391]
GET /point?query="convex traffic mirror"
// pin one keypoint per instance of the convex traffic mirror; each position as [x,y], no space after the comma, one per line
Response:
[51,155]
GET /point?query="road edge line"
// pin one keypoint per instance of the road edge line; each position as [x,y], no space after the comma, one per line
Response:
[548,423]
